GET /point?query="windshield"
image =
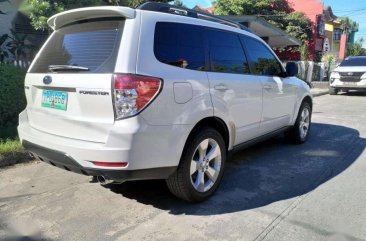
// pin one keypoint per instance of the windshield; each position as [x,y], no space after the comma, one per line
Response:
[92,45]
[358,61]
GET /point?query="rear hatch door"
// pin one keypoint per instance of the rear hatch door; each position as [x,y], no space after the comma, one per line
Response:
[69,83]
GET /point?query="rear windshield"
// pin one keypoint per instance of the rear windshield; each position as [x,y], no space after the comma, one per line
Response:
[92,44]
[354,62]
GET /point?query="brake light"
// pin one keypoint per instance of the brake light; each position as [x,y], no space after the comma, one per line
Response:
[132,93]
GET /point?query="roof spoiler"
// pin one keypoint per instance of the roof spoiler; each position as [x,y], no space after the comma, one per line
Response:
[61,19]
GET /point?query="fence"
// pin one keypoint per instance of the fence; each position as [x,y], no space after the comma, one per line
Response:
[21,64]
[310,71]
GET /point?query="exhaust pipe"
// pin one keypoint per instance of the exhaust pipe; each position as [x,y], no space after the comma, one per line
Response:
[102,180]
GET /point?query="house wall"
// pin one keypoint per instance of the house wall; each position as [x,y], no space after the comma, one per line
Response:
[351,38]
[342,48]
[312,9]
[335,44]
[7,18]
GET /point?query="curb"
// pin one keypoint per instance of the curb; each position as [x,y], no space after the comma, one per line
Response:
[13,159]
[325,92]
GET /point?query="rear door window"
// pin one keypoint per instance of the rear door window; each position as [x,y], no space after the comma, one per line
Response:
[91,44]
[226,52]
[263,61]
[180,45]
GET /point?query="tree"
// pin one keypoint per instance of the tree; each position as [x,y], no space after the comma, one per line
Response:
[328,60]
[348,25]
[40,10]
[3,50]
[356,48]
[276,12]
[19,46]
[303,52]
[179,3]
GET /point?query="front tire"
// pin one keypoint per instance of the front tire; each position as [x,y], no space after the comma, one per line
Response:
[299,133]
[201,167]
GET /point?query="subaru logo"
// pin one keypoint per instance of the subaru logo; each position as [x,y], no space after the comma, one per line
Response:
[47,80]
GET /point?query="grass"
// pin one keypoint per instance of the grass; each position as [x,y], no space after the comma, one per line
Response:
[10,146]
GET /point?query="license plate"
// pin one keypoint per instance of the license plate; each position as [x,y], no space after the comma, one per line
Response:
[350,83]
[54,99]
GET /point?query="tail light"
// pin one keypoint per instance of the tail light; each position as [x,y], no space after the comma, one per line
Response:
[132,93]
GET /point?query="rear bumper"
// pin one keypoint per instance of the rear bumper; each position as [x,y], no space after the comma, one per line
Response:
[152,152]
[62,160]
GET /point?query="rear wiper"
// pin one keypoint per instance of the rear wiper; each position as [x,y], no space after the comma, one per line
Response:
[55,68]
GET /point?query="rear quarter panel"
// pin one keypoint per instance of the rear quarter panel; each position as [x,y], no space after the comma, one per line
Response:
[165,109]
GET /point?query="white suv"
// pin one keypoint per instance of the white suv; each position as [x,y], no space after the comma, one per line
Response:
[158,92]
[349,75]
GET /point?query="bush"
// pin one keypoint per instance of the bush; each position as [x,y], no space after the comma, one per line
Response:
[12,98]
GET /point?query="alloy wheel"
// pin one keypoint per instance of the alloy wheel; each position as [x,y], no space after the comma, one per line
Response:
[205,165]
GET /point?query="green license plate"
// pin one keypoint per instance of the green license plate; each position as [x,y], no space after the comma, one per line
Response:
[54,99]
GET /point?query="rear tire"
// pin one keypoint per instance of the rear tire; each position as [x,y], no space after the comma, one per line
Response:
[201,167]
[299,133]
[333,91]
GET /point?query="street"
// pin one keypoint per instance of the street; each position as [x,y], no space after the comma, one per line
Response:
[271,191]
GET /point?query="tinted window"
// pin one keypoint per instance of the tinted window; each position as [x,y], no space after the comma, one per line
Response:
[92,44]
[358,61]
[180,45]
[226,52]
[264,62]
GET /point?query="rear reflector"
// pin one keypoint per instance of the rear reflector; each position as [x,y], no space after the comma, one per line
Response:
[110,164]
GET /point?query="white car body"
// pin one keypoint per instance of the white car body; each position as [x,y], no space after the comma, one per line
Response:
[150,143]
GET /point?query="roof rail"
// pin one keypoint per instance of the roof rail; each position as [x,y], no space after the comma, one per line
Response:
[168,8]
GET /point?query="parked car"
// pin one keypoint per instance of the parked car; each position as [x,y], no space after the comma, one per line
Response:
[158,92]
[349,75]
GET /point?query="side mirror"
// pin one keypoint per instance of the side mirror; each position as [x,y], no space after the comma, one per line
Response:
[291,69]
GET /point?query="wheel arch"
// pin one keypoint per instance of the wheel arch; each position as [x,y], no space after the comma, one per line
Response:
[305,98]
[309,100]
[215,123]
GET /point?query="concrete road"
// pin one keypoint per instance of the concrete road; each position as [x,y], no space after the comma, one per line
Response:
[272,191]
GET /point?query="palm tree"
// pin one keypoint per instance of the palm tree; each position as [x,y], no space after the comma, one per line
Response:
[348,25]
[19,46]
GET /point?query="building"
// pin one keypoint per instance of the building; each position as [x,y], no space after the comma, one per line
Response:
[313,9]
[329,35]
[333,34]
[275,37]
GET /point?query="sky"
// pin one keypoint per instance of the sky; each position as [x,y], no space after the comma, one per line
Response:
[354,9]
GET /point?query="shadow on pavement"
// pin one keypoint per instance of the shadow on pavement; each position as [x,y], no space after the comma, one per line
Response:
[359,93]
[268,172]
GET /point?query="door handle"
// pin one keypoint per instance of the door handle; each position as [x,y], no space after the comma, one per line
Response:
[267,87]
[221,87]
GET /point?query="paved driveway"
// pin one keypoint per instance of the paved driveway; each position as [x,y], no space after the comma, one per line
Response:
[272,191]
